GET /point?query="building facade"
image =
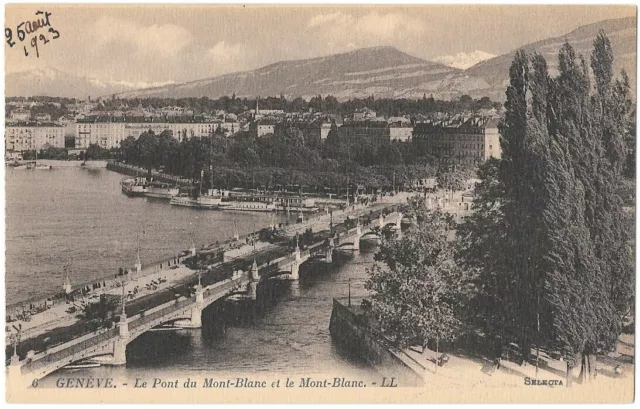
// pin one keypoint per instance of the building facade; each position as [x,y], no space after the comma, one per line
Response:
[30,137]
[20,114]
[465,142]
[261,128]
[376,132]
[401,132]
[108,133]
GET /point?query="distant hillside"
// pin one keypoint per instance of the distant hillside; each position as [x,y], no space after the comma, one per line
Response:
[381,71]
[621,32]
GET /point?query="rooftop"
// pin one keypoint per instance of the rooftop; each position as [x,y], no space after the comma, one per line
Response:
[473,124]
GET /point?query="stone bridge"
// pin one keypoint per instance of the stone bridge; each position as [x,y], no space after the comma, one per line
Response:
[289,266]
[108,346]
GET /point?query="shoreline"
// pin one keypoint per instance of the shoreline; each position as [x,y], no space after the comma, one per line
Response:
[59,163]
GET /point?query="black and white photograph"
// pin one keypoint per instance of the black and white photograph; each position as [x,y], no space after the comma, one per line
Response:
[288,203]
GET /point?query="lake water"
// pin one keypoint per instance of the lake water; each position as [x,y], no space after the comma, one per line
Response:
[79,216]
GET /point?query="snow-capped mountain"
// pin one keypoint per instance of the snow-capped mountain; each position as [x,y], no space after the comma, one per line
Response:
[52,82]
[464,60]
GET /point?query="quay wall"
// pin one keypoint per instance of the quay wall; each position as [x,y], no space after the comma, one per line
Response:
[91,164]
[353,334]
[130,170]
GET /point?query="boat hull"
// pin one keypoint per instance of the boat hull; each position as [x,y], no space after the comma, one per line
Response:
[200,203]
[133,191]
[297,209]
[133,187]
[161,195]
[248,207]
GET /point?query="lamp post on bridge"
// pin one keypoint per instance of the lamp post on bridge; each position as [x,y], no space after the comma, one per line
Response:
[331,220]
[196,314]
[14,373]
[123,313]
[16,340]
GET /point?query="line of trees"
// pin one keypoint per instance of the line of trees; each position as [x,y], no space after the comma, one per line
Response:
[284,158]
[326,104]
[546,259]
[93,152]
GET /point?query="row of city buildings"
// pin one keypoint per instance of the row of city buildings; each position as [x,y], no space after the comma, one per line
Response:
[460,139]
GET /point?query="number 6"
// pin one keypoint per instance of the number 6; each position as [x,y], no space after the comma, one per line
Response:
[21,34]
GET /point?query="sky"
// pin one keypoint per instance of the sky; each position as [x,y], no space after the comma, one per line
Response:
[157,44]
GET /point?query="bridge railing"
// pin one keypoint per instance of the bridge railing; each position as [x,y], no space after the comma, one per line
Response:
[147,318]
[72,350]
[225,286]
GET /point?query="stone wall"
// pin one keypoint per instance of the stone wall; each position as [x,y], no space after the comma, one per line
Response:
[351,333]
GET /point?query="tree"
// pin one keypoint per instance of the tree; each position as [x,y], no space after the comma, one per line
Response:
[147,145]
[481,245]
[101,311]
[455,180]
[549,240]
[417,287]
[332,144]
[129,150]
[93,152]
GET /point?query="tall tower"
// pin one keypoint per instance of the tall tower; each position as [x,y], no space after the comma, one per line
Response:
[257,109]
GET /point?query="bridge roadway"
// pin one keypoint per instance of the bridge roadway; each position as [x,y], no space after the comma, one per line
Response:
[183,308]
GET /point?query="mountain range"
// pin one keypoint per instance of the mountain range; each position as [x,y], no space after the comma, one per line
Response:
[464,60]
[379,71]
[52,82]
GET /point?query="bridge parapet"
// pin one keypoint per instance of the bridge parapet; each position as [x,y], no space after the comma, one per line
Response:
[144,320]
[68,354]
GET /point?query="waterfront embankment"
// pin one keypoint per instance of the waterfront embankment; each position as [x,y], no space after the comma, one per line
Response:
[56,163]
[130,170]
[351,332]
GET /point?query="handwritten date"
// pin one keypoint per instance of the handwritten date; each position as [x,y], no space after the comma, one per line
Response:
[26,28]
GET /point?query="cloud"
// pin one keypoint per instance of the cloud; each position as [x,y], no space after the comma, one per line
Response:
[167,39]
[346,31]
[228,56]
[322,19]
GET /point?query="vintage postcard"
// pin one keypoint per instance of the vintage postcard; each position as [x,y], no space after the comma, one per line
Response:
[320,204]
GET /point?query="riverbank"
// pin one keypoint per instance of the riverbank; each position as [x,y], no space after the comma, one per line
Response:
[466,367]
[351,333]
